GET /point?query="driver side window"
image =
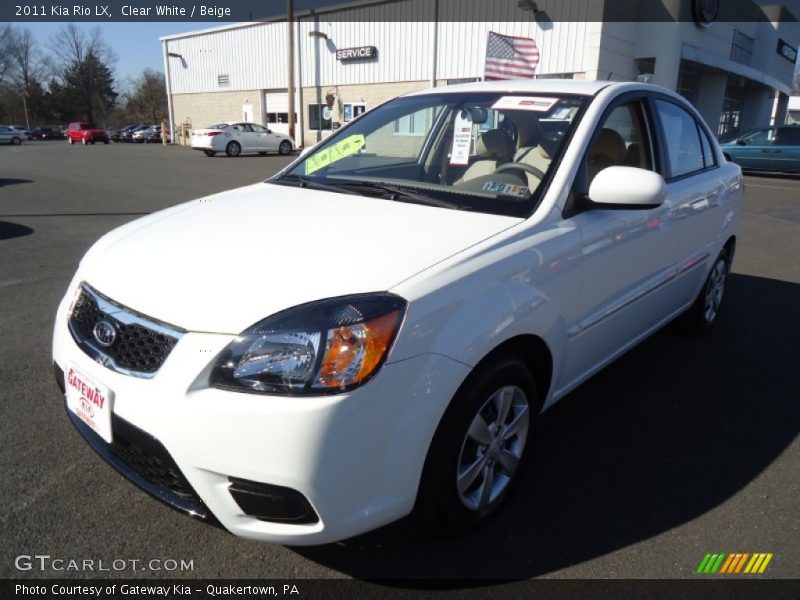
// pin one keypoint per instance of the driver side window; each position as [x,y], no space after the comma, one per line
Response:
[622,140]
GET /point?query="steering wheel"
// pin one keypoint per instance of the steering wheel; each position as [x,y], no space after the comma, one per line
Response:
[522,167]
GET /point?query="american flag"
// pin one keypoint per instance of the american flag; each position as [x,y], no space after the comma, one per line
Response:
[510,57]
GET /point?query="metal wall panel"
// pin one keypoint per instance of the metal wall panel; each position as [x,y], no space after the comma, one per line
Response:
[254,56]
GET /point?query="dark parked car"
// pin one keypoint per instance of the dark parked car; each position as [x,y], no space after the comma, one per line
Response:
[116,134]
[767,149]
[46,133]
[127,135]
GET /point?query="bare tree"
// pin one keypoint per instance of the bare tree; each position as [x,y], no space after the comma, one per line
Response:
[146,99]
[73,45]
[5,52]
[29,67]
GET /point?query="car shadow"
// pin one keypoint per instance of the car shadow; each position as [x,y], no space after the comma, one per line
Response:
[668,432]
[13,230]
[5,181]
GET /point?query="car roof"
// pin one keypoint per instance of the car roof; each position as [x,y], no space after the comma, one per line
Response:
[540,86]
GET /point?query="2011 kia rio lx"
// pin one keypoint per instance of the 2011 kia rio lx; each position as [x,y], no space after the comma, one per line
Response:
[373,330]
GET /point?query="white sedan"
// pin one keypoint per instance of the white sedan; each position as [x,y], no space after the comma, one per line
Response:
[10,135]
[235,139]
[374,330]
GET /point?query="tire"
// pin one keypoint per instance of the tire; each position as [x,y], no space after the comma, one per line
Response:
[699,319]
[210,153]
[467,450]
[233,149]
[285,148]
[105,141]
[70,141]
[83,141]
[16,141]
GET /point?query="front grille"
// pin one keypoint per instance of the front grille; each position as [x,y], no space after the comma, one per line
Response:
[140,345]
[147,456]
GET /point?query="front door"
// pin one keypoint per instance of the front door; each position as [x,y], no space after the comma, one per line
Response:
[626,254]
[755,150]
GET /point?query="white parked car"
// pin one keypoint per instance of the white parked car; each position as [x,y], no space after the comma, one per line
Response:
[374,329]
[10,135]
[235,139]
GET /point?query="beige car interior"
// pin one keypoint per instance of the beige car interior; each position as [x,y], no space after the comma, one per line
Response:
[494,148]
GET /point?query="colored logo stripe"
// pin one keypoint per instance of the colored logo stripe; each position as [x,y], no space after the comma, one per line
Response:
[735,563]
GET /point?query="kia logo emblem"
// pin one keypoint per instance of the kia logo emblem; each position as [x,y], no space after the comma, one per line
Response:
[705,12]
[105,333]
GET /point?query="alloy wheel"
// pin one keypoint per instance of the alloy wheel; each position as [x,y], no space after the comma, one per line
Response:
[715,290]
[492,448]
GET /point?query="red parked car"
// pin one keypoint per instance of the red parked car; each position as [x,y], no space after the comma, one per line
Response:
[86,132]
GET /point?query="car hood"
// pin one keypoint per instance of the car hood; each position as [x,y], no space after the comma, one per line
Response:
[222,263]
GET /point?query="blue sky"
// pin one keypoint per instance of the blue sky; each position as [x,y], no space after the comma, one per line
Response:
[135,44]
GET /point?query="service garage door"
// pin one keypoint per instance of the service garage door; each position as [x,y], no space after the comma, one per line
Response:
[277,111]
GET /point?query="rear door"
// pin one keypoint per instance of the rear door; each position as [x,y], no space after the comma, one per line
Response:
[697,189]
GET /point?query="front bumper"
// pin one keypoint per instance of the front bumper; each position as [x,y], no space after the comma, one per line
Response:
[356,457]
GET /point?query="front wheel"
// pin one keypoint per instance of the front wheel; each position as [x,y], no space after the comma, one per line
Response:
[70,141]
[84,141]
[706,308]
[285,148]
[16,141]
[479,446]
[233,149]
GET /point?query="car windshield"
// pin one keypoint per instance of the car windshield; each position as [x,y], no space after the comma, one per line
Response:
[86,126]
[488,152]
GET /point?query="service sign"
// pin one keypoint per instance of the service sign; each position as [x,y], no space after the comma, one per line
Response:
[361,53]
[786,51]
[90,401]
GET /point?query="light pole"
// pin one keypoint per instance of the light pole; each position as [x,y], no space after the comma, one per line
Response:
[25,107]
[290,64]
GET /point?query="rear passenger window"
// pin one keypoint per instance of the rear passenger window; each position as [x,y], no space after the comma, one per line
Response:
[708,153]
[681,139]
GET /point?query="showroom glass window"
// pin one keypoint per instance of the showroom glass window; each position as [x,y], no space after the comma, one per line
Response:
[316,118]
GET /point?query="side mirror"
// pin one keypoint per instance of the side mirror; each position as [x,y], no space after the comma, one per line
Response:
[627,188]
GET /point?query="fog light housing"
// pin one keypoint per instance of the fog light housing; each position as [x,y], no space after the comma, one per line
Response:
[272,503]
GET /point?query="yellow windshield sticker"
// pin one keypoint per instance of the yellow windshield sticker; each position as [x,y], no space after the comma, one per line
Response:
[338,151]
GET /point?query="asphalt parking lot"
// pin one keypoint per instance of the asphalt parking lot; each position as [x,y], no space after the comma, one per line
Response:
[680,448]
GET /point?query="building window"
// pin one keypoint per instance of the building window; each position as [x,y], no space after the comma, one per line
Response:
[316,118]
[223,80]
[413,124]
[730,117]
[645,69]
[688,80]
[280,117]
[742,48]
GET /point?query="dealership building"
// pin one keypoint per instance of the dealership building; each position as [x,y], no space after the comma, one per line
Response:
[347,59]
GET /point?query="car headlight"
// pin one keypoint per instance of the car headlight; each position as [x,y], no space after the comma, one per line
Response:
[322,347]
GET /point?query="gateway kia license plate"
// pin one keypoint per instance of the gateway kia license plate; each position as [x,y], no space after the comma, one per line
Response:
[90,401]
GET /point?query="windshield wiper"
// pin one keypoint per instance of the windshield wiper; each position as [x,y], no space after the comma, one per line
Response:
[307,182]
[399,193]
[388,191]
